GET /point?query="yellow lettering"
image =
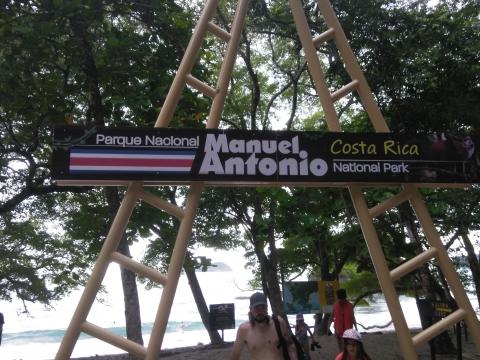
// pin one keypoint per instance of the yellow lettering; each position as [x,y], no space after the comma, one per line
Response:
[332,147]
[362,148]
[355,149]
[388,147]
[396,148]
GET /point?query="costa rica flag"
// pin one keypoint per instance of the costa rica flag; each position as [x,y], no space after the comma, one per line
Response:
[84,161]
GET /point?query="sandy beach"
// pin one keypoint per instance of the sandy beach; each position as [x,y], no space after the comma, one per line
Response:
[380,346]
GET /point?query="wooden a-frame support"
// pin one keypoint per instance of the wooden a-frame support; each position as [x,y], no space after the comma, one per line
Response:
[136,191]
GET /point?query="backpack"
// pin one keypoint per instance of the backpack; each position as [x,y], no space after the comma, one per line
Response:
[283,342]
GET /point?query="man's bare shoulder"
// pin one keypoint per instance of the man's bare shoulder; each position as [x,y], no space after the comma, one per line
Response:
[244,329]
[246,325]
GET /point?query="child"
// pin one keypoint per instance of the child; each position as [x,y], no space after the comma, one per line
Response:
[301,333]
[352,346]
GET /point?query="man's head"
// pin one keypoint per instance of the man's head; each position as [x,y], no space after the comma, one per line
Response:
[258,308]
[341,294]
[257,299]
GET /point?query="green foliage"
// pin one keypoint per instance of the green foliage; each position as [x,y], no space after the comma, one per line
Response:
[416,77]
[454,208]
[358,283]
[37,263]
[102,62]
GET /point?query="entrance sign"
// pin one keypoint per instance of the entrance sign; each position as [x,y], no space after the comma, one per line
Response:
[100,155]
[302,161]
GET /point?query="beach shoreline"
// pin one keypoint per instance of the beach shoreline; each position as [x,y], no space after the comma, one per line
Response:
[379,345]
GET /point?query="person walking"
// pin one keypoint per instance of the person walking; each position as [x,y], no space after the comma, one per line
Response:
[259,334]
[301,333]
[352,347]
[342,316]
[2,321]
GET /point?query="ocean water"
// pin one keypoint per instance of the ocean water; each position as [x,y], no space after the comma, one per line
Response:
[38,335]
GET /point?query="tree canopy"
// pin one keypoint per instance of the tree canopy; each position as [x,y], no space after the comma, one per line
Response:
[111,63]
[98,62]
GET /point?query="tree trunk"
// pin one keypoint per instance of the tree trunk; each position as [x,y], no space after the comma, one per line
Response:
[273,286]
[96,109]
[321,323]
[130,298]
[129,285]
[270,280]
[201,304]
[262,232]
[473,263]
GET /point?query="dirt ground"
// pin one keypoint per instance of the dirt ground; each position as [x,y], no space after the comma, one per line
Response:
[380,346]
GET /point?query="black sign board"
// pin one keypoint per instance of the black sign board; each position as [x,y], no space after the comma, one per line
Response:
[431,311]
[441,309]
[166,155]
[222,316]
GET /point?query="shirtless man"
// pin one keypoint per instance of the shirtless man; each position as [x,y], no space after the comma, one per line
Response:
[259,334]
